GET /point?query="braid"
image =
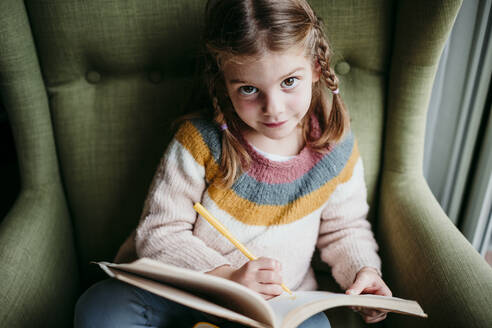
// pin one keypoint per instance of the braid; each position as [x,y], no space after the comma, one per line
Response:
[333,121]
[234,157]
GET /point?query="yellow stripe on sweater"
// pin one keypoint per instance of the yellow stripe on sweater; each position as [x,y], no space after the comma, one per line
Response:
[191,139]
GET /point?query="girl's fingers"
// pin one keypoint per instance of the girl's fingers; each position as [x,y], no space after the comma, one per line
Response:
[385,291]
[270,289]
[375,318]
[268,277]
[370,313]
[382,290]
[373,315]
[266,263]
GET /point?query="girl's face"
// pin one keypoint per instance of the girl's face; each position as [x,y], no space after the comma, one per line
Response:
[271,95]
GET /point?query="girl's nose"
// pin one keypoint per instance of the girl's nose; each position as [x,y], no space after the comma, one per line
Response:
[272,105]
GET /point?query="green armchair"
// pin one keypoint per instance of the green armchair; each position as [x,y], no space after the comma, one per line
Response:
[91,88]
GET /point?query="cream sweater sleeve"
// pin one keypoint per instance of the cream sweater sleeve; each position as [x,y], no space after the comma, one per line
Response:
[165,231]
[346,241]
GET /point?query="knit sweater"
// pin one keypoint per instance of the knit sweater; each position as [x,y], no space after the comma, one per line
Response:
[282,210]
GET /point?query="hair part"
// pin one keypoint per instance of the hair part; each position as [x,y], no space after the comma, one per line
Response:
[241,29]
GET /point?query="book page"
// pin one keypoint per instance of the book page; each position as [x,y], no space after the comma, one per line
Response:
[185,298]
[290,311]
[225,293]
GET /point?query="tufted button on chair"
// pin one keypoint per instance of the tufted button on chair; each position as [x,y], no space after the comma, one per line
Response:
[91,88]
[342,68]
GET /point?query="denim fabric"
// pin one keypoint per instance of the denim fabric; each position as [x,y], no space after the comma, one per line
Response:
[111,303]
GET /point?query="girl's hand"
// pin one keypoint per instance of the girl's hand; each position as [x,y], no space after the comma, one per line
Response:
[368,281]
[261,275]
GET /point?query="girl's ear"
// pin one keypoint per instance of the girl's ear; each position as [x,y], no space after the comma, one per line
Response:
[316,71]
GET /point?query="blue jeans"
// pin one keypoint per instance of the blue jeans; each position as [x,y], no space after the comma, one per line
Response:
[111,303]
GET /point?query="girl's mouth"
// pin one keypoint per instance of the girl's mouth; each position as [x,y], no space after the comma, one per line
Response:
[274,125]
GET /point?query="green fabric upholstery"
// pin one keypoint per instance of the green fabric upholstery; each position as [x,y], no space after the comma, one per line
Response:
[441,269]
[38,264]
[91,89]
[114,86]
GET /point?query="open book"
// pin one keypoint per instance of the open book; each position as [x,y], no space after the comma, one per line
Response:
[235,302]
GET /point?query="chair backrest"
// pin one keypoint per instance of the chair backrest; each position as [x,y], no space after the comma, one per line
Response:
[118,72]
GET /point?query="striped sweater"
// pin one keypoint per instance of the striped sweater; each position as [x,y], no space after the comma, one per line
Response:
[282,210]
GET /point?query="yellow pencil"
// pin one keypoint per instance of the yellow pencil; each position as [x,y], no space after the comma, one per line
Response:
[217,225]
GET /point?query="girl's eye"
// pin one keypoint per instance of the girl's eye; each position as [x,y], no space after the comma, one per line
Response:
[290,82]
[248,90]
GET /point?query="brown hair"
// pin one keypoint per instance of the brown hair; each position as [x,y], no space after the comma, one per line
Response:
[236,29]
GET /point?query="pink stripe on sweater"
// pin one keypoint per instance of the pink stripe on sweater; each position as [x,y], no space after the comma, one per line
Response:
[264,170]
[274,172]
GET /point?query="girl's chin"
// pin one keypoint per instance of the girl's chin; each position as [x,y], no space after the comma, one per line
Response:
[278,135]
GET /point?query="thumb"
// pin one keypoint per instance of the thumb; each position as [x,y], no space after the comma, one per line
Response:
[357,287]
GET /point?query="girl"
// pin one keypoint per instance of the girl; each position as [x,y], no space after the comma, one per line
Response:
[272,158]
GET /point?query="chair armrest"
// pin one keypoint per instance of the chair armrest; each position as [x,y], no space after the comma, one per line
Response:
[38,269]
[426,258]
